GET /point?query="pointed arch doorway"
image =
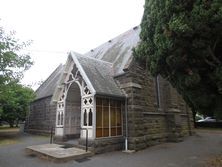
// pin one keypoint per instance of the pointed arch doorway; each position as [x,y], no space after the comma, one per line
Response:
[72,124]
[75,96]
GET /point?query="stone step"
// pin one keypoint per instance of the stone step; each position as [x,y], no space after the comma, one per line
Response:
[57,152]
[67,144]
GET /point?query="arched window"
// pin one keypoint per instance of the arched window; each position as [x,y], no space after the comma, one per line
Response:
[61,118]
[90,117]
[58,119]
[85,118]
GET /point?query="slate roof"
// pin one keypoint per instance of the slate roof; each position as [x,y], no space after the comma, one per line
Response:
[100,74]
[47,88]
[118,50]
[100,65]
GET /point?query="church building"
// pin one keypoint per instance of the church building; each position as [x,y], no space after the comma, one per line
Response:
[106,96]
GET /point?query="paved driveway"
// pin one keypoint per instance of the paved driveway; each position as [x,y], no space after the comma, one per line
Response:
[192,152]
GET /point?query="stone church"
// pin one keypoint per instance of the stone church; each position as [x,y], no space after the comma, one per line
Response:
[106,96]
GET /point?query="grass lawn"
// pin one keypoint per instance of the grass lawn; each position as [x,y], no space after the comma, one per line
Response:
[13,136]
[214,161]
[8,135]
[8,129]
[4,142]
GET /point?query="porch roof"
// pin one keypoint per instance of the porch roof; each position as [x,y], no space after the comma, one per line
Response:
[100,75]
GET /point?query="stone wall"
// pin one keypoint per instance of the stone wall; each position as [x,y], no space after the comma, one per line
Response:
[101,145]
[151,122]
[41,116]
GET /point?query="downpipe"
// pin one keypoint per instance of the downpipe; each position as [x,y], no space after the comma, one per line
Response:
[126,119]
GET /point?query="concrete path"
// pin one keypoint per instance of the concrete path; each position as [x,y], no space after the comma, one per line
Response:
[192,152]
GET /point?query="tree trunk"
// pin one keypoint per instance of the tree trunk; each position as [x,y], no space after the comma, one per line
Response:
[17,123]
[11,124]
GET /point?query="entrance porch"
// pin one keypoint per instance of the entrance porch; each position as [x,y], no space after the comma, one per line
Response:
[88,108]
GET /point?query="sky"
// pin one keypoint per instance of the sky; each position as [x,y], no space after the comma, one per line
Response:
[57,27]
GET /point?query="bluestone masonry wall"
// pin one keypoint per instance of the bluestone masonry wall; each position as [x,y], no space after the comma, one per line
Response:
[41,116]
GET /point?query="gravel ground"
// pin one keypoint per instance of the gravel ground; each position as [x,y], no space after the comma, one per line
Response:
[192,152]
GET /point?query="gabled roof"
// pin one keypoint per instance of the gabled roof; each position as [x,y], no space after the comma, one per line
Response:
[118,50]
[47,88]
[98,66]
[97,74]
[100,74]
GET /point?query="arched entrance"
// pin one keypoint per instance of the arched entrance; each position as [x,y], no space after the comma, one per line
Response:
[73,112]
[75,106]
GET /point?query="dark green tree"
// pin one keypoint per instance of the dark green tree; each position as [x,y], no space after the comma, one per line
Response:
[182,41]
[15,103]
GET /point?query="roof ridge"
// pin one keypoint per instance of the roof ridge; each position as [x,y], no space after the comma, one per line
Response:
[60,65]
[90,57]
[136,28]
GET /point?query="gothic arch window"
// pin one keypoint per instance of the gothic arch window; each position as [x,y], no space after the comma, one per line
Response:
[61,118]
[90,117]
[85,118]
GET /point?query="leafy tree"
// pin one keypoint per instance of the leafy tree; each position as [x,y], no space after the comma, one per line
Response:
[15,103]
[12,62]
[14,98]
[182,41]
